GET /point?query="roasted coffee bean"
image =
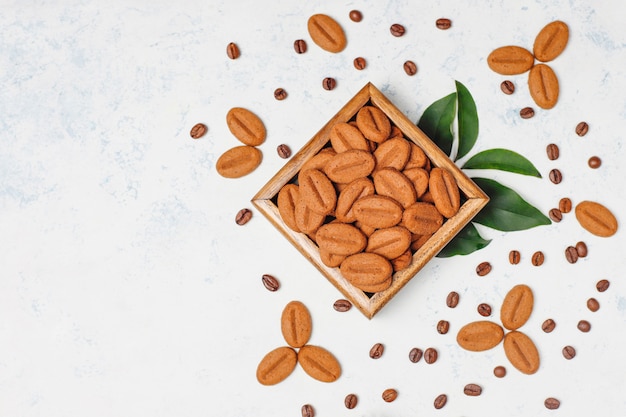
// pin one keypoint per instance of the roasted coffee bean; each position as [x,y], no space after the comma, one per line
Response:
[359,63]
[555,176]
[232,50]
[571,254]
[431,355]
[527,113]
[307,410]
[410,68]
[329,83]
[377,350]
[484,309]
[440,401]
[593,304]
[552,150]
[389,395]
[514,257]
[280,94]
[548,325]
[300,46]
[473,390]
[350,401]
[507,87]
[603,285]
[499,371]
[556,215]
[552,403]
[443,23]
[483,268]
[453,299]
[397,30]
[342,305]
[581,249]
[584,326]
[443,326]
[565,205]
[198,131]
[356,16]
[270,282]
[537,258]
[283,151]
[569,352]
[415,355]
[594,162]
[582,128]
[243,216]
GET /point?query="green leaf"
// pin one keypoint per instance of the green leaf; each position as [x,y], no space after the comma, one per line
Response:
[468,240]
[436,122]
[506,210]
[468,120]
[504,160]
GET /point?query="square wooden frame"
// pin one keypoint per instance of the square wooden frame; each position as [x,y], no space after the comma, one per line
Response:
[476,199]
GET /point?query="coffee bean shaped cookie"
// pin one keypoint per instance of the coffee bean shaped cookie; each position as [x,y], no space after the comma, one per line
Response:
[276,365]
[510,60]
[373,123]
[246,126]
[319,363]
[296,324]
[238,161]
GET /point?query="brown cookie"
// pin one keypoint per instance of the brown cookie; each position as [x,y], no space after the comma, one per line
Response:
[422,218]
[392,153]
[344,136]
[420,179]
[369,272]
[403,261]
[326,33]
[359,188]
[331,260]
[238,161]
[517,307]
[319,160]
[510,60]
[288,197]
[378,211]
[596,218]
[543,86]
[521,351]
[373,123]
[392,183]
[276,365]
[319,363]
[296,324]
[246,126]
[479,335]
[350,165]
[417,158]
[445,191]
[307,220]
[551,41]
[340,239]
[390,242]
[317,191]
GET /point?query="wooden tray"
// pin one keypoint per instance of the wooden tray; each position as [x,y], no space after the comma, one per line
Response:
[475,200]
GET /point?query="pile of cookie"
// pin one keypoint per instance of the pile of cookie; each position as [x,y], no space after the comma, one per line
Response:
[369,200]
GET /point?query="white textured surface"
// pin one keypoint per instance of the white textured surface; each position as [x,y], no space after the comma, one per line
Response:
[126,289]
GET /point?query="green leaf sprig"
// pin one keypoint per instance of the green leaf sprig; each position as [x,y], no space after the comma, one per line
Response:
[506,210]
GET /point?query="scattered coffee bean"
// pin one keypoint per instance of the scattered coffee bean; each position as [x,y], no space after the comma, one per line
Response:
[397,30]
[443,326]
[484,309]
[499,371]
[584,326]
[243,216]
[553,151]
[329,83]
[507,87]
[390,394]
[483,268]
[440,401]
[594,162]
[571,254]
[270,282]
[565,205]
[359,63]
[603,285]
[555,176]
[377,350]
[232,50]
[527,113]
[556,215]
[593,304]
[582,128]
[473,390]
[537,258]
[356,16]
[300,46]
[283,151]
[342,305]
[350,401]
[548,325]
[453,299]
[569,352]
[415,355]
[198,130]
[552,403]
[280,94]
[443,23]
[308,411]
[430,355]
[581,249]
[514,257]
[410,68]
